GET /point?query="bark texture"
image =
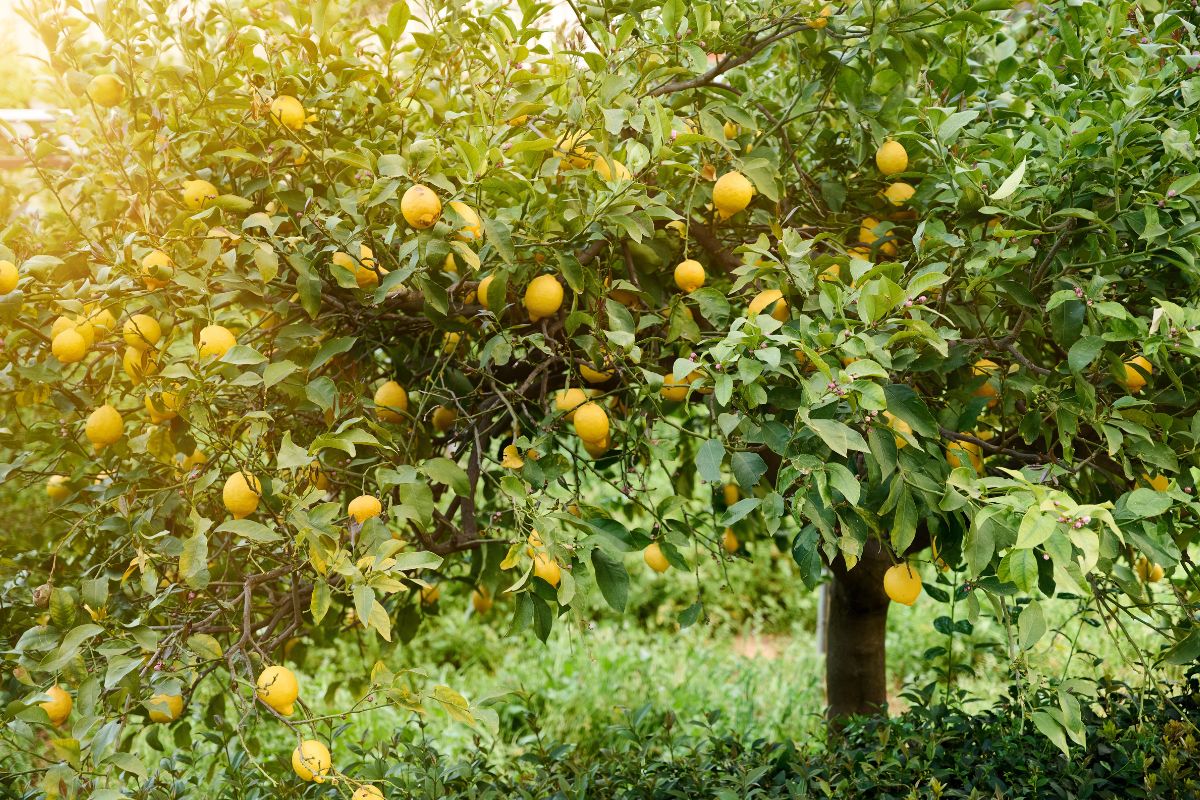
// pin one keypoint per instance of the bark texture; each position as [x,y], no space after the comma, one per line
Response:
[856,654]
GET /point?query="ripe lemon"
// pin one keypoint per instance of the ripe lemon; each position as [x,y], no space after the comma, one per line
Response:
[138,364]
[481,601]
[1159,483]
[241,494]
[69,347]
[215,341]
[363,507]
[960,454]
[163,408]
[141,331]
[482,290]
[732,193]
[165,707]
[571,148]
[619,170]
[985,366]
[591,375]
[101,319]
[902,584]
[9,276]
[729,541]
[472,229]
[157,269]
[61,324]
[764,299]
[653,556]
[198,194]
[567,400]
[367,792]
[547,569]
[591,422]
[891,157]
[106,90]
[899,193]
[311,761]
[430,594]
[1148,571]
[596,449]
[822,19]
[676,391]
[58,707]
[391,402]
[104,427]
[420,207]
[1137,369]
[900,427]
[543,297]
[443,418]
[288,111]
[57,488]
[196,459]
[366,272]
[277,687]
[512,457]
[689,275]
[867,235]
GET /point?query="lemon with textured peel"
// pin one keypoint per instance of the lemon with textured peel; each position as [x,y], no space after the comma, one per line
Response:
[443,418]
[141,331]
[10,276]
[618,170]
[277,687]
[391,402]
[165,707]
[241,494]
[472,225]
[481,291]
[69,346]
[198,194]
[867,235]
[591,422]
[104,427]
[689,275]
[157,269]
[106,90]
[363,507]
[567,400]
[57,488]
[655,559]
[899,193]
[543,297]
[288,111]
[547,569]
[732,193]
[420,206]
[902,584]
[311,761]
[215,341]
[58,707]
[891,157]
[766,298]
[1136,371]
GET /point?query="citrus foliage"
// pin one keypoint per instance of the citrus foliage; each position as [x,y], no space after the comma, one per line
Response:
[331,308]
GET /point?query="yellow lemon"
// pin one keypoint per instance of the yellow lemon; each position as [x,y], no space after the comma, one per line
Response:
[571,148]
[899,193]
[1148,571]
[866,235]
[367,792]
[900,427]
[985,366]
[138,364]
[591,422]
[420,207]
[288,111]
[960,454]
[69,347]
[58,707]
[57,488]
[596,449]
[543,297]
[482,290]
[619,170]
[481,601]
[106,90]
[676,391]
[277,687]
[765,299]
[9,276]
[472,229]
[1159,483]
[391,402]
[443,418]
[822,19]
[512,457]
[430,594]
[163,408]
[366,272]
[1136,371]
[215,341]
[689,275]
[902,584]
[141,331]
[729,541]
[732,193]
[165,707]
[547,569]
[363,507]
[198,194]
[311,761]
[654,558]
[157,269]
[241,494]
[104,427]
[592,375]
[891,157]
[567,400]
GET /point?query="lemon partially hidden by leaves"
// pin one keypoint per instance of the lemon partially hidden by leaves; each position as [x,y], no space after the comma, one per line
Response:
[591,422]
[1148,571]
[547,569]
[689,275]
[443,418]
[57,488]
[9,276]
[366,272]
[543,297]
[141,331]
[654,558]
[900,427]
[391,402]
[58,707]
[765,299]
[618,170]
[288,112]
[902,584]
[567,400]
[241,494]
[157,269]
[1159,483]
[430,594]
[472,229]
[311,761]
[732,193]
[215,341]
[730,493]
[1137,369]
[891,157]
[820,21]
[106,90]
[163,407]
[138,363]
[165,707]
[899,193]
[593,375]
[367,791]
[481,600]
[363,507]
[676,391]
[277,687]
[961,454]
[420,206]
[198,194]
[867,235]
[104,427]
[729,541]
[481,291]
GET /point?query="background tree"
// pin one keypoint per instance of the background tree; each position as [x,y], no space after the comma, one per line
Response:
[330,309]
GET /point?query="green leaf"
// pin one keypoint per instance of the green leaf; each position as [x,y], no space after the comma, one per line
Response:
[454,704]
[330,349]
[840,438]
[844,481]
[691,615]
[1011,183]
[1031,625]
[205,646]
[738,511]
[708,460]
[748,468]
[1020,568]
[1051,730]
[1084,352]
[291,455]
[1036,527]
[242,355]
[611,578]
[254,531]
[71,643]
[397,19]
[443,470]
[321,600]
[1147,503]
[278,371]
[905,404]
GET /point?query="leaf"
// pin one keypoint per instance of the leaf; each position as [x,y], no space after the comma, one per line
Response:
[407,562]
[708,460]
[904,522]
[611,578]
[254,531]
[949,129]
[397,19]
[291,455]
[1011,182]
[804,553]
[276,372]
[840,437]
[738,511]
[690,615]
[1051,730]
[205,646]
[193,561]
[321,599]
[364,601]
[748,468]
[1084,352]
[1031,625]
[241,355]
[1036,527]
[1147,503]
[844,481]
[1020,568]
[330,349]
[907,405]
[71,643]
[443,470]
[380,621]
[454,704]
[980,543]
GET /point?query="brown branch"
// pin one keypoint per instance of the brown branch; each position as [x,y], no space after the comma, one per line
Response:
[727,63]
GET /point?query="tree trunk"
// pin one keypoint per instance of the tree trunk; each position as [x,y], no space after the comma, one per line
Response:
[855,655]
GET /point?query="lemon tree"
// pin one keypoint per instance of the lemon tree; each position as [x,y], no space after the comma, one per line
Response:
[332,308]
